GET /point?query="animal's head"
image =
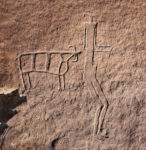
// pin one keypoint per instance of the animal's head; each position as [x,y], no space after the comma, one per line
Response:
[74,56]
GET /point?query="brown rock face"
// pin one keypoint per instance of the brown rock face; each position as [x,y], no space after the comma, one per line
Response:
[72,75]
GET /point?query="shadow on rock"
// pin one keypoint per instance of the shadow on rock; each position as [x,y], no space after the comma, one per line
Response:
[8,102]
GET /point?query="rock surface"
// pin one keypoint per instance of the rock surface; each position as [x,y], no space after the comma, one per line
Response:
[53,119]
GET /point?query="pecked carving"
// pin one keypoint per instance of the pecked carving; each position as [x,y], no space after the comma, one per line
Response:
[62,68]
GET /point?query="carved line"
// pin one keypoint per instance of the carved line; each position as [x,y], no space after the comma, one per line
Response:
[33,61]
[29,81]
[85,31]
[49,52]
[48,61]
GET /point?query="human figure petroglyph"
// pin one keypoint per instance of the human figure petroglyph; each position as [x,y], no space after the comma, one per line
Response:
[63,66]
[90,73]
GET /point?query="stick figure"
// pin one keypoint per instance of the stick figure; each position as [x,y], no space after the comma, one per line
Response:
[90,74]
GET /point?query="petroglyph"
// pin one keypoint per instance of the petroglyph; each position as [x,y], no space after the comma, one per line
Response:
[48,66]
[90,73]
[57,63]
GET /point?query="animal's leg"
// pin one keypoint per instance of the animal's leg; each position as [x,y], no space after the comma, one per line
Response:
[103,101]
[59,79]
[28,80]
[23,83]
[61,82]
[22,76]
[99,105]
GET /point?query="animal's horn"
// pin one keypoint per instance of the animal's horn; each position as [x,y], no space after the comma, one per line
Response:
[73,48]
[110,52]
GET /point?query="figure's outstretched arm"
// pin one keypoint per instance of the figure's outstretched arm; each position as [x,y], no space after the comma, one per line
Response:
[101,49]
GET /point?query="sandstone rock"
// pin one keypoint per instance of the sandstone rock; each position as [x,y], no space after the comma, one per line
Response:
[74,98]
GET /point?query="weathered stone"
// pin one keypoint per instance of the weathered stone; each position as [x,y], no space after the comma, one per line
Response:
[83,76]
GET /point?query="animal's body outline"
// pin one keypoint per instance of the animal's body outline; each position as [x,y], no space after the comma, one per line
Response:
[61,75]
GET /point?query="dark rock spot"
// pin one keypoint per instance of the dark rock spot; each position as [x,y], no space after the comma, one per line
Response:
[7,104]
[53,143]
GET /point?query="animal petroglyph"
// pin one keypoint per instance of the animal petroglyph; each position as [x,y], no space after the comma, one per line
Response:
[62,68]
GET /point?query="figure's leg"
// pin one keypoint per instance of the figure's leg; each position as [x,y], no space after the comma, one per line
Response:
[103,101]
[99,105]
[102,115]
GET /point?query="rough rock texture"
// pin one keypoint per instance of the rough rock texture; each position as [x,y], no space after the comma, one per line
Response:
[53,119]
